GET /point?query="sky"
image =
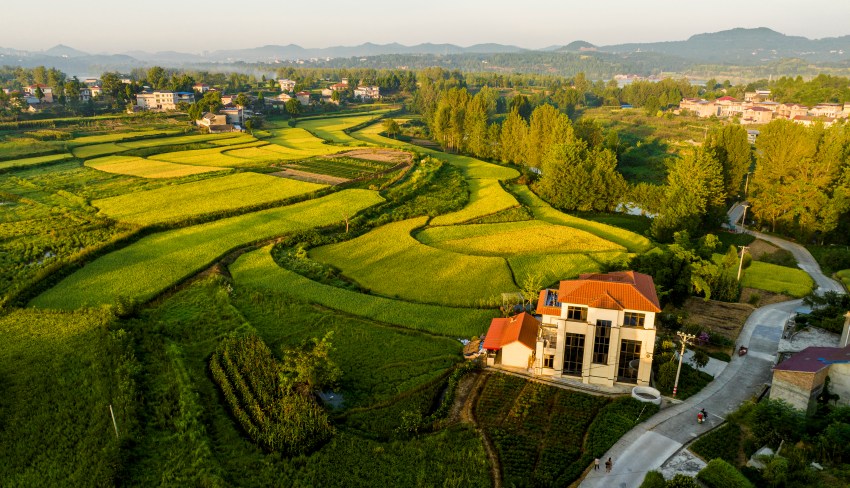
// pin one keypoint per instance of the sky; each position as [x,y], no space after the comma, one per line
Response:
[101,26]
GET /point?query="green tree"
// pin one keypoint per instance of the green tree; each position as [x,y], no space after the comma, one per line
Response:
[391,127]
[475,126]
[157,77]
[312,365]
[293,107]
[730,146]
[512,137]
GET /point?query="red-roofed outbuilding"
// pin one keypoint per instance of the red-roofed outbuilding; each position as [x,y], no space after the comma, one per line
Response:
[511,341]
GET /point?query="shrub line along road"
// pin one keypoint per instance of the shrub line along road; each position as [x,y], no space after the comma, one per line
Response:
[647,446]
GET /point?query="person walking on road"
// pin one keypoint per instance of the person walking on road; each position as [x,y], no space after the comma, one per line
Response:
[608,465]
[596,464]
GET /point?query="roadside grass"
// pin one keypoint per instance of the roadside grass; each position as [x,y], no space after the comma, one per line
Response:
[486,197]
[174,203]
[389,261]
[20,163]
[471,167]
[156,262]
[545,212]
[844,276]
[774,278]
[146,168]
[257,270]
[514,238]
[60,373]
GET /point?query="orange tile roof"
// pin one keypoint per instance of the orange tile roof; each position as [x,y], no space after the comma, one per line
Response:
[619,290]
[504,331]
[547,306]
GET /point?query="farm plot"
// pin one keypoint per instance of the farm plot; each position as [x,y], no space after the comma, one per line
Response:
[20,163]
[332,129]
[512,238]
[300,141]
[149,266]
[146,168]
[97,150]
[471,167]
[389,261]
[543,211]
[118,136]
[777,279]
[178,202]
[340,167]
[551,268]
[258,270]
[486,197]
[220,157]
[187,139]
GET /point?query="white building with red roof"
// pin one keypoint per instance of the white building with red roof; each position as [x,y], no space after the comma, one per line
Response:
[598,329]
[512,341]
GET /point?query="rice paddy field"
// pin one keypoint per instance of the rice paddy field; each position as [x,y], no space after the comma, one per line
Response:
[224,157]
[332,129]
[146,168]
[340,167]
[258,270]
[156,262]
[390,262]
[178,202]
[119,136]
[486,197]
[23,162]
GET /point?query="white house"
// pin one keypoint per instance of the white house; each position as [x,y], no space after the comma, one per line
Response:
[367,92]
[511,341]
[598,329]
[158,100]
[46,90]
[303,97]
[286,85]
[201,87]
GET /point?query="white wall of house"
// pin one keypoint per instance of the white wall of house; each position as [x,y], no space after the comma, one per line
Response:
[516,355]
[839,382]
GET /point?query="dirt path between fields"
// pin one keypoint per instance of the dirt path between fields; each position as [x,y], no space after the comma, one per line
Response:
[466,398]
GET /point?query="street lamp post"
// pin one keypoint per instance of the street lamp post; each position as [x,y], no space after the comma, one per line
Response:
[685,339]
[744,217]
[744,249]
[747,184]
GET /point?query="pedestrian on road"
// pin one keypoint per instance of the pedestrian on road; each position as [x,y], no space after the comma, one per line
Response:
[596,464]
[608,465]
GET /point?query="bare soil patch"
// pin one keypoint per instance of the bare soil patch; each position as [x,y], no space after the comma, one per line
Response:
[765,297]
[722,318]
[375,154]
[759,248]
[295,174]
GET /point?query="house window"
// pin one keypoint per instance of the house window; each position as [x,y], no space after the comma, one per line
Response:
[633,319]
[629,351]
[549,361]
[601,341]
[549,336]
[573,353]
[577,313]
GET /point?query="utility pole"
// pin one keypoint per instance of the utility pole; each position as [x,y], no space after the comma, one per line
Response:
[744,217]
[114,425]
[685,339]
[744,249]
[747,184]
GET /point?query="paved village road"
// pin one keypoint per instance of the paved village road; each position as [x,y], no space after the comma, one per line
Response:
[647,446]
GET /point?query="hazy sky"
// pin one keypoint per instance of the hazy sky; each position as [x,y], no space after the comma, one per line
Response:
[156,25]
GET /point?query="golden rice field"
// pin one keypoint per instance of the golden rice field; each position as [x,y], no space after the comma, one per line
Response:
[390,262]
[217,156]
[178,202]
[486,197]
[96,150]
[156,262]
[146,168]
[332,129]
[119,136]
[23,162]
[187,139]
[543,211]
[552,267]
[514,238]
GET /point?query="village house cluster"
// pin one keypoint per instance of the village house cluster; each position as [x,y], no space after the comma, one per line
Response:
[38,97]
[758,108]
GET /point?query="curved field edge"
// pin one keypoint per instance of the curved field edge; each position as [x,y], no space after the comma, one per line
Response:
[545,212]
[257,269]
[151,265]
[393,263]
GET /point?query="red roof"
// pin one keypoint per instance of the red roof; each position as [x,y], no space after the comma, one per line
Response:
[504,331]
[727,99]
[814,359]
[617,291]
[302,93]
[759,109]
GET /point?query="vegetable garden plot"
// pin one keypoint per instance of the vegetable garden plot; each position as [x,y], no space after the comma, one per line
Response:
[149,266]
[178,202]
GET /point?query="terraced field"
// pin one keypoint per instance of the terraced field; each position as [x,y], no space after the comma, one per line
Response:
[258,270]
[23,162]
[486,197]
[298,143]
[348,168]
[151,265]
[211,195]
[119,136]
[97,150]
[514,238]
[389,261]
[225,156]
[332,129]
[543,211]
[146,168]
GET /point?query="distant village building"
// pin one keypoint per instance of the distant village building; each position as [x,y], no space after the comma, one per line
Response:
[598,329]
[201,87]
[757,115]
[698,107]
[303,97]
[367,92]
[757,96]
[286,85]
[809,120]
[33,89]
[215,123]
[162,100]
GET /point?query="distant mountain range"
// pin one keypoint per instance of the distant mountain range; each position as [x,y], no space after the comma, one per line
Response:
[732,47]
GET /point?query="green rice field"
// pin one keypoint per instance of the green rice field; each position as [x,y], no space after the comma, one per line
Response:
[217,156]
[97,150]
[390,262]
[777,279]
[146,168]
[118,136]
[20,163]
[486,197]
[151,265]
[543,211]
[332,129]
[178,202]
[258,270]
[513,238]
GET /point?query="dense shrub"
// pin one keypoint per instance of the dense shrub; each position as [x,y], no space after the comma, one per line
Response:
[723,443]
[653,479]
[720,474]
